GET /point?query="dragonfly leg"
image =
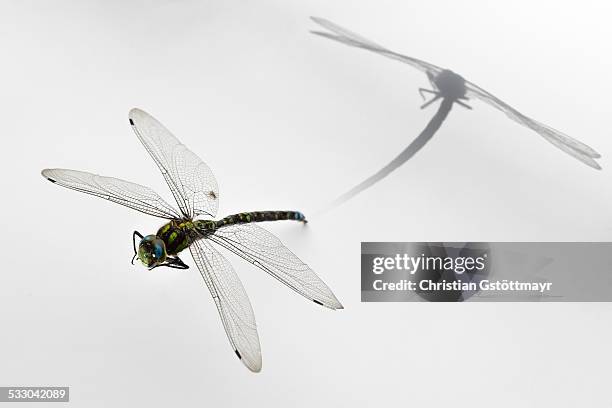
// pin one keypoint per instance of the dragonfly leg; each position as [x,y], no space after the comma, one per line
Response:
[175,262]
[172,262]
[422,90]
[465,105]
[432,100]
[134,235]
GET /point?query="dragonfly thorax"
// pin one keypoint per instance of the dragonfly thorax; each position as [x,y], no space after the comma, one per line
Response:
[175,235]
[450,85]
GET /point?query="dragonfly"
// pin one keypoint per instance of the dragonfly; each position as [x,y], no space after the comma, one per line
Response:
[193,226]
[451,86]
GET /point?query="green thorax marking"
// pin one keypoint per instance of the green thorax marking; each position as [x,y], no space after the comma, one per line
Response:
[175,235]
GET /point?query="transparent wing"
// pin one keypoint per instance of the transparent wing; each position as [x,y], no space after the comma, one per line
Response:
[232,302]
[569,145]
[191,181]
[123,192]
[268,253]
[347,37]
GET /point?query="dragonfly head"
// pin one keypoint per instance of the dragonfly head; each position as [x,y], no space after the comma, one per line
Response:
[152,251]
[450,85]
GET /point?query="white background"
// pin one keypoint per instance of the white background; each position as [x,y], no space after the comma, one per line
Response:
[289,121]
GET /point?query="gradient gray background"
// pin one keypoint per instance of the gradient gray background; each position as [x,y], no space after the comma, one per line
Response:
[288,120]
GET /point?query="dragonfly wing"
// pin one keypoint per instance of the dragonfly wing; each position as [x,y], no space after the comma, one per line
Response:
[569,145]
[191,181]
[268,253]
[123,192]
[347,37]
[343,32]
[232,302]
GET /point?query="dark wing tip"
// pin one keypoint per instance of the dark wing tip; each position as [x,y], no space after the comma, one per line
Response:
[45,174]
[254,368]
[135,113]
[333,305]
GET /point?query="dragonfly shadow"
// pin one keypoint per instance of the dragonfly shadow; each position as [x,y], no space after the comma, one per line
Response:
[430,130]
[451,88]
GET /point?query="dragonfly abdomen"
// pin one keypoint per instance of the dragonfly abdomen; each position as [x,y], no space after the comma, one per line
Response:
[260,216]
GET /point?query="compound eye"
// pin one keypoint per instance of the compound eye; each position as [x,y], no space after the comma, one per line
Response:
[158,250]
[151,251]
